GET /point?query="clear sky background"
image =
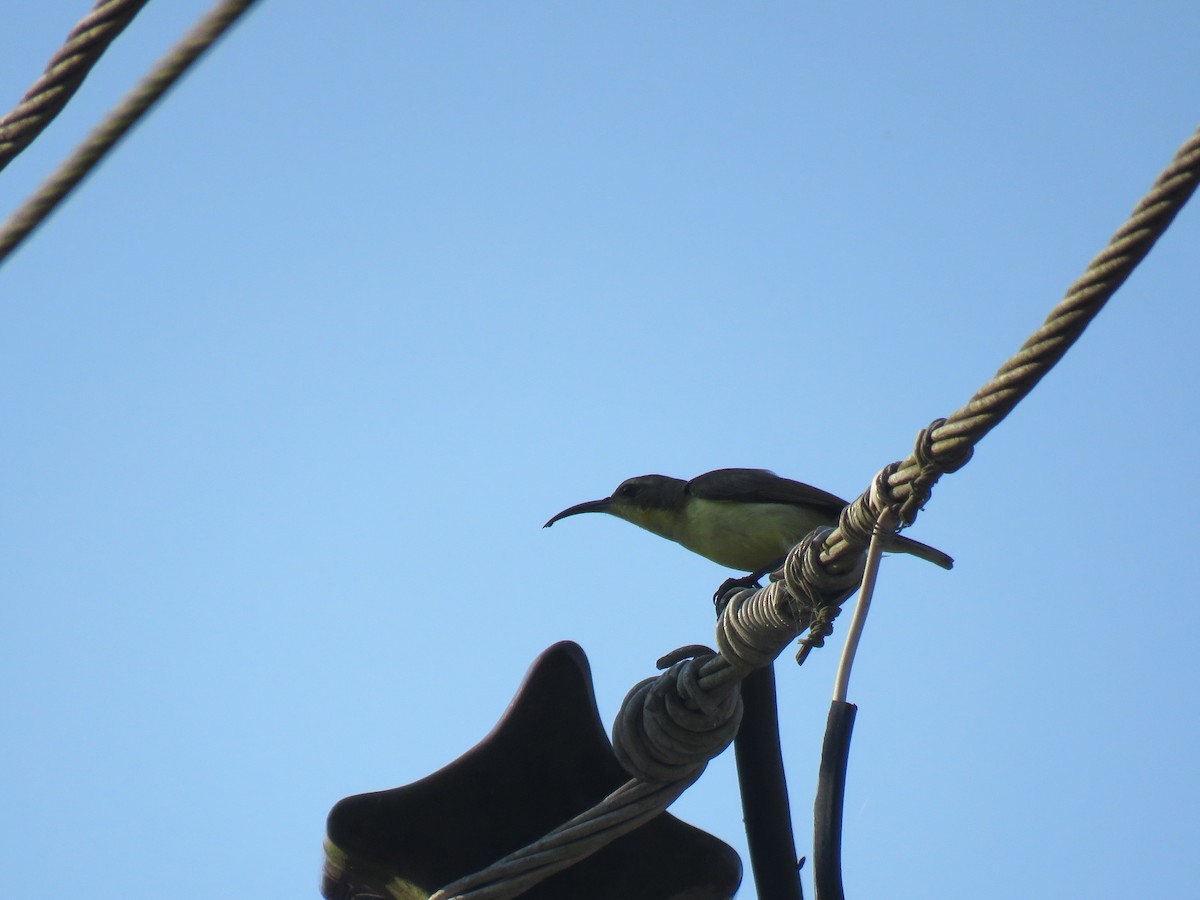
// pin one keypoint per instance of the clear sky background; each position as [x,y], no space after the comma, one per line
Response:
[290,386]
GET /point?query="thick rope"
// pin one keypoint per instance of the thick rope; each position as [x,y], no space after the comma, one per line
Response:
[64,74]
[817,577]
[102,139]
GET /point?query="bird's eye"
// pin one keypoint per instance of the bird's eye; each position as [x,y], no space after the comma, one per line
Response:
[625,490]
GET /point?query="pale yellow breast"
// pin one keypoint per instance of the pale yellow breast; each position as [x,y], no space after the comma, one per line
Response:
[745,536]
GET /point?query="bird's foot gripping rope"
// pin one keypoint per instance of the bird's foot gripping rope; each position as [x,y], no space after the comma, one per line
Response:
[731,585]
[825,569]
[806,593]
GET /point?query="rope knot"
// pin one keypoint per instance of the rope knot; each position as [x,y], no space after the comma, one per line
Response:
[820,628]
[670,726]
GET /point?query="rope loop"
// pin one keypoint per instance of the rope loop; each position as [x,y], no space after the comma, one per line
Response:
[881,494]
[670,726]
[818,592]
[857,522]
[812,584]
[933,461]
[881,499]
[949,456]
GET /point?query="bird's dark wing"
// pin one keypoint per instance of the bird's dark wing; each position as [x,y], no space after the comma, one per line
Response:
[761,486]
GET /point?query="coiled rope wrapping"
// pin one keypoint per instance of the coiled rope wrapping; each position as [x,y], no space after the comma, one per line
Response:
[823,570]
[65,72]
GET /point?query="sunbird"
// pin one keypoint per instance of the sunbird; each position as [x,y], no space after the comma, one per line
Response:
[745,519]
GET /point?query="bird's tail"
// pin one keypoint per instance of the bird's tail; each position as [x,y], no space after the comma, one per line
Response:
[901,544]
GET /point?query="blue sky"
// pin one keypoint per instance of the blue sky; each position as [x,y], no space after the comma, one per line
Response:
[291,384]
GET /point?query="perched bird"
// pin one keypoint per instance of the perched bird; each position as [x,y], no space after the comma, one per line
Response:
[746,519]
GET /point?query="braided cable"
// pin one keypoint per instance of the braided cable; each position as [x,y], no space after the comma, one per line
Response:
[63,75]
[119,120]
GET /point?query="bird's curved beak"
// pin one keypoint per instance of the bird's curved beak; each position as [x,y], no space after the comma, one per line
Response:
[590,506]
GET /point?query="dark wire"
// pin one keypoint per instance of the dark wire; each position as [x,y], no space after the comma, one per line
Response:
[831,794]
[765,807]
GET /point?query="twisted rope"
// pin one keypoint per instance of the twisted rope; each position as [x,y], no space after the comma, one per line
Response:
[947,444]
[102,139]
[63,75]
[817,577]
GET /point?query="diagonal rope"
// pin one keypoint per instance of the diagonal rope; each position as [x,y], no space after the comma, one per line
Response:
[1085,298]
[65,72]
[102,139]
[948,443]
[824,569]
[627,808]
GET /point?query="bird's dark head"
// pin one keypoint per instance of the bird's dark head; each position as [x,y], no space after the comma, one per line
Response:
[652,501]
